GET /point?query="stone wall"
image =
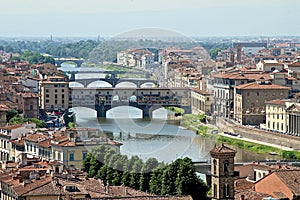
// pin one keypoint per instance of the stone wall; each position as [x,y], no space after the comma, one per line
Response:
[258,134]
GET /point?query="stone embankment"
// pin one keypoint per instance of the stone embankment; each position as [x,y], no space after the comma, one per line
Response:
[259,135]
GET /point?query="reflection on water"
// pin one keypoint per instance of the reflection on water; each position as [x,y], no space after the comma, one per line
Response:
[155,138]
[159,138]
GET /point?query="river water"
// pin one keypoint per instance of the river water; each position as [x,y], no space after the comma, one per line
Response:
[157,137]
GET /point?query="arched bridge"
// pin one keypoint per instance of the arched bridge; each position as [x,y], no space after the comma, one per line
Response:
[111,79]
[77,61]
[114,81]
[146,99]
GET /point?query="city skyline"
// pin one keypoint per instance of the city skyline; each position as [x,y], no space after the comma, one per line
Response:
[110,18]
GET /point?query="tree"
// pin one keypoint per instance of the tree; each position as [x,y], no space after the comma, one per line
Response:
[128,170]
[135,175]
[86,164]
[169,177]
[187,182]
[94,167]
[146,171]
[11,113]
[155,182]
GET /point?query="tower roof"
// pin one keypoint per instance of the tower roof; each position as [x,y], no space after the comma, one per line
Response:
[222,149]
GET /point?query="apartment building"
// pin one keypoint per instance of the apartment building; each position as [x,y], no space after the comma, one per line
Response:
[250,98]
[201,101]
[54,92]
[283,115]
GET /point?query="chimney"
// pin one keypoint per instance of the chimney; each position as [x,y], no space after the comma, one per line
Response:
[242,197]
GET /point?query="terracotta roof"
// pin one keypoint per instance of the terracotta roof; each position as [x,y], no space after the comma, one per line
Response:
[20,189]
[276,102]
[18,142]
[222,149]
[257,86]
[200,91]
[35,137]
[294,64]
[291,179]
[3,107]
[242,184]
[249,194]
[46,143]
[11,127]
[30,95]
[245,76]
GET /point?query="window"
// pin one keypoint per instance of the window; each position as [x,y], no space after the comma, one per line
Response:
[55,96]
[226,170]
[226,190]
[84,155]
[215,166]
[215,190]
[257,93]
[72,156]
[47,95]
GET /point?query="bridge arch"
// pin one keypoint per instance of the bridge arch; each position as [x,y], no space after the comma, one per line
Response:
[148,85]
[125,84]
[124,112]
[76,84]
[99,84]
[59,61]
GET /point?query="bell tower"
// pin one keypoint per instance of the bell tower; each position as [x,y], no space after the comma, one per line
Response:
[222,172]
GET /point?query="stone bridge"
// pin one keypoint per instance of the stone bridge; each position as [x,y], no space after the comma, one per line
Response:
[146,99]
[59,61]
[114,81]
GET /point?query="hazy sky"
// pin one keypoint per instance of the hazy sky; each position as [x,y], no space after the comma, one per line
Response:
[111,17]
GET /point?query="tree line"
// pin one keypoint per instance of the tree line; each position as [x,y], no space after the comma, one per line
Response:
[80,49]
[176,178]
[33,58]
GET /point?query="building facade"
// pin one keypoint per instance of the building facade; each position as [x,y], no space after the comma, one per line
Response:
[222,170]
[250,98]
[54,93]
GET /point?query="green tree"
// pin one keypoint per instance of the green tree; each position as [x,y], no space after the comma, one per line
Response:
[86,164]
[156,181]
[187,182]
[146,171]
[11,113]
[135,175]
[94,167]
[128,170]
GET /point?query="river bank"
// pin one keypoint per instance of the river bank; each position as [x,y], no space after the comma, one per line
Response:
[193,122]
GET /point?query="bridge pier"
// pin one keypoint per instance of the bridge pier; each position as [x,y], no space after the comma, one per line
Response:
[72,78]
[147,112]
[101,110]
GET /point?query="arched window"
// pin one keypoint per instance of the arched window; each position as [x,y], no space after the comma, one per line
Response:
[215,166]
[226,190]
[215,190]
[226,170]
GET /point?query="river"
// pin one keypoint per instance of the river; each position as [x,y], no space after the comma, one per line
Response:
[157,137]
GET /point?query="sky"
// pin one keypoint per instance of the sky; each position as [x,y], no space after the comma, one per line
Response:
[113,17]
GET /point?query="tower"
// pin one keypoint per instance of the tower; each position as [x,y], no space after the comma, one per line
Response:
[239,53]
[222,172]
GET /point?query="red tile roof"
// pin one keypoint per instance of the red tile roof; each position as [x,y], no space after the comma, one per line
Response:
[222,149]
[257,86]
[276,102]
